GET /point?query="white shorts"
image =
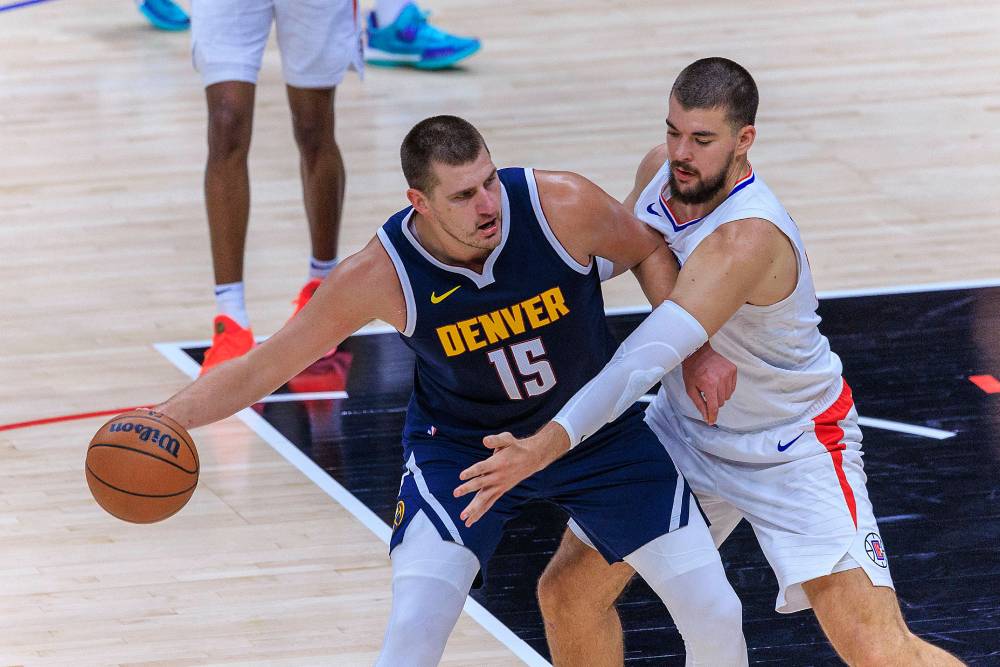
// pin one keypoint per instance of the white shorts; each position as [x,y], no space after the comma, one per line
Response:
[319,39]
[811,513]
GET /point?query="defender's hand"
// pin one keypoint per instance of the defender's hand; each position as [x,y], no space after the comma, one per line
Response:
[709,380]
[512,461]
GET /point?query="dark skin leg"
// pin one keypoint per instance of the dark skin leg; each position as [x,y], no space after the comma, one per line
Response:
[321,166]
[227,183]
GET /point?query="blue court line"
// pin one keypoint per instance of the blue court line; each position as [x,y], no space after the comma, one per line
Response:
[18,5]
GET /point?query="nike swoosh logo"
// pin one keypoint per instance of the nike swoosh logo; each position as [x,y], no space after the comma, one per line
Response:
[438,299]
[650,209]
[791,442]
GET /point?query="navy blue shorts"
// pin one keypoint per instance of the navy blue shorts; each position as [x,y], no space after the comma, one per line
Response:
[619,485]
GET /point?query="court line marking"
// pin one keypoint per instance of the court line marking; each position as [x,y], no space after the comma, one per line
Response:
[273,398]
[884,424]
[18,5]
[175,354]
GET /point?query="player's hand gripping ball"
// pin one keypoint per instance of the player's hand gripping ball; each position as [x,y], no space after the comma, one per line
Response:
[142,466]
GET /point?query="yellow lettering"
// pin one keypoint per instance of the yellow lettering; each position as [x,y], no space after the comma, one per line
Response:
[470,334]
[554,302]
[451,340]
[514,318]
[493,327]
[533,310]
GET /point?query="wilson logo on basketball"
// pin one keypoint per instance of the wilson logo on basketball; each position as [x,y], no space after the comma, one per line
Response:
[148,434]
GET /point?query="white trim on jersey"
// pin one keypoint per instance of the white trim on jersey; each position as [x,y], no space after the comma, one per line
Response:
[605,268]
[485,278]
[404,281]
[425,493]
[536,203]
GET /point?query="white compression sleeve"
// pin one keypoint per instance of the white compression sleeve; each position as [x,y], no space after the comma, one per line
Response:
[664,339]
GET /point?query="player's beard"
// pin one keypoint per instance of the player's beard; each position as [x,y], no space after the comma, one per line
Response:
[706,188]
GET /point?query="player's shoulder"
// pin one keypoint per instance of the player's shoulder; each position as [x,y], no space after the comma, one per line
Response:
[745,235]
[562,183]
[651,163]
[566,193]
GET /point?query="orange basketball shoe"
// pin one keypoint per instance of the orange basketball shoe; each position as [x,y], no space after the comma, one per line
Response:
[305,294]
[302,299]
[229,341]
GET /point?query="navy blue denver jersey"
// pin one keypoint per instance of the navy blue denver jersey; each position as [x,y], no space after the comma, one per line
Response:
[505,349]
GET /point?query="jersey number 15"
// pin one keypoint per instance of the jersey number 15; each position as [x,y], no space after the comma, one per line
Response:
[535,376]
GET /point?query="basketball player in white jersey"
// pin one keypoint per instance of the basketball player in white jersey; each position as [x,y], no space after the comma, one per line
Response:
[785,452]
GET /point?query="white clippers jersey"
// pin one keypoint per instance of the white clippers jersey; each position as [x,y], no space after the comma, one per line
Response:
[786,369]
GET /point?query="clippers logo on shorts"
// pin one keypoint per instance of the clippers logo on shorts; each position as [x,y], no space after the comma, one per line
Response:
[875,550]
[148,434]
[400,513]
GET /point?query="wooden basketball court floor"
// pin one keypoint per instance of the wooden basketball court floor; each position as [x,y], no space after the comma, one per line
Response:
[878,129]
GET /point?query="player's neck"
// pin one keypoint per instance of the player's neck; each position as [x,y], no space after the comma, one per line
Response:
[446,249]
[736,172]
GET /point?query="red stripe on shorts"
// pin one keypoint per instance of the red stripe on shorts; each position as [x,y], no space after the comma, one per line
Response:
[828,432]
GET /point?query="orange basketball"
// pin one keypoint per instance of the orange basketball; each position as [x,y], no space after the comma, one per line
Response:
[142,466]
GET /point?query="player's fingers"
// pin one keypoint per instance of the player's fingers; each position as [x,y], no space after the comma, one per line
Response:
[498,441]
[712,405]
[477,508]
[476,470]
[473,485]
[696,397]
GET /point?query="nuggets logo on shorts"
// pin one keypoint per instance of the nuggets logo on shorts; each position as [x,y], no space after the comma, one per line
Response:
[875,550]
[398,518]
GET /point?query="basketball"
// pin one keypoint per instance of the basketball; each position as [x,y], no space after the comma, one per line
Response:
[142,466]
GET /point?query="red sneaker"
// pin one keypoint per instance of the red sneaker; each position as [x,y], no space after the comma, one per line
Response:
[305,294]
[229,341]
[302,299]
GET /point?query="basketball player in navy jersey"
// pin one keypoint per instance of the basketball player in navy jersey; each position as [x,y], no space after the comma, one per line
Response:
[490,277]
[785,453]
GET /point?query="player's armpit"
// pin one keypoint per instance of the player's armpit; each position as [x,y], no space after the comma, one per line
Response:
[725,270]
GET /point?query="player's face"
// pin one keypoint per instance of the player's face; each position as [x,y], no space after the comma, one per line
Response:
[466,202]
[703,147]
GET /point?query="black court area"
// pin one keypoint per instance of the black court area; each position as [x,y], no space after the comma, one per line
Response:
[909,359]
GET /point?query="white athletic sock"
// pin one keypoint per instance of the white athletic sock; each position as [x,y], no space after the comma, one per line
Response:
[229,301]
[321,268]
[386,11]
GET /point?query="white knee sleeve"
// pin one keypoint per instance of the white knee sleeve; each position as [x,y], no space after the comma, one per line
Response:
[430,581]
[684,569]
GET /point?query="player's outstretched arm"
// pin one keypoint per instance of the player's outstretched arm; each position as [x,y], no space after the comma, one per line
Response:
[720,276]
[361,288]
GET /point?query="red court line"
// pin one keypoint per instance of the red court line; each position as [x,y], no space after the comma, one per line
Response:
[987,383]
[66,418]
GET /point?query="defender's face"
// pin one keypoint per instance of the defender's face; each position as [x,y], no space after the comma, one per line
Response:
[466,201]
[702,146]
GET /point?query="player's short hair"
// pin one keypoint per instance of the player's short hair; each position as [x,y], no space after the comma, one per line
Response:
[712,83]
[447,139]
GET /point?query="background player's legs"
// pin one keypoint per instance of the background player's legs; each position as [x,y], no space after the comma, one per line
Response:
[227,202]
[577,593]
[227,182]
[864,623]
[431,578]
[321,165]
